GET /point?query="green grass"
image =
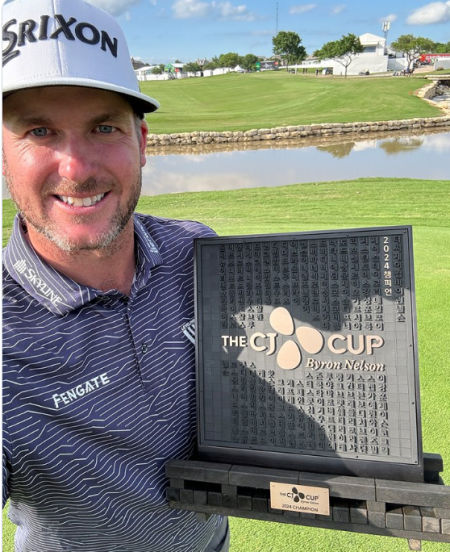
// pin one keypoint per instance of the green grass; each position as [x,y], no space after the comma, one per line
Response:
[271,99]
[347,204]
[8,212]
[443,72]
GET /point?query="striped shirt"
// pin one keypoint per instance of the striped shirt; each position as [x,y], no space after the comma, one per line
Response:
[99,392]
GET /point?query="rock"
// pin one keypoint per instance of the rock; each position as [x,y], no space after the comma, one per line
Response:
[300,131]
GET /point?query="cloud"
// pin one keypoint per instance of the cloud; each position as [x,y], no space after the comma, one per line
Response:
[390,18]
[185,9]
[115,7]
[436,12]
[364,145]
[158,179]
[302,8]
[228,11]
[437,142]
[338,9]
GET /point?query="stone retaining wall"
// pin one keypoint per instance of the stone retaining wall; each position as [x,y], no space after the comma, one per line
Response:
[293,132]
[429,92]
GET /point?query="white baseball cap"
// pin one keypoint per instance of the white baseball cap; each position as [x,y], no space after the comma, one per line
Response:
[67,42]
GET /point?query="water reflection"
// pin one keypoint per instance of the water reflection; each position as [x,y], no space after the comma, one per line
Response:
[362,140]
[276,163]
[407,143]
[391,146]
[338,150]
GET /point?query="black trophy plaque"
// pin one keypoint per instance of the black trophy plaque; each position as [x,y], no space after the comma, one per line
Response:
[307,352]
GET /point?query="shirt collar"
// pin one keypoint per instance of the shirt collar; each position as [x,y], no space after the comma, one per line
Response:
[58,293]
[148,255]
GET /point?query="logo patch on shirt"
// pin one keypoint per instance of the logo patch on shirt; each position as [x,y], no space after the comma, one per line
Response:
[39,285]
[189,330]
[20,266]
[63,399]
[151,244]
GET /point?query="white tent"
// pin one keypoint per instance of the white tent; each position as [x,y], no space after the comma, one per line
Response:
[239,69]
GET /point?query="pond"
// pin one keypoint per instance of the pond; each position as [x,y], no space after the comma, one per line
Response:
[254,164]
[200,168]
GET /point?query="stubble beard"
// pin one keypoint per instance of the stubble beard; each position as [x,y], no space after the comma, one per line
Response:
[53,231]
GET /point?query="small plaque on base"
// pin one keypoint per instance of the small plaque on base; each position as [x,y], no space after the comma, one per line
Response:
[301,499]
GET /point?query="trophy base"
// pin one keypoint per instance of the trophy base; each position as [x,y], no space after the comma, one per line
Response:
[415,511]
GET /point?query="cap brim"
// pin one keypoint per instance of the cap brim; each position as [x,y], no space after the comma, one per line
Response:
[143,103]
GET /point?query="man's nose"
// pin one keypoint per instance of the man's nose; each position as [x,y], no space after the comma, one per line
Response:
[77,159]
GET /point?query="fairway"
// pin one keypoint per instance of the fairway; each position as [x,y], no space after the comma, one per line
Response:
[271,99]
[348,204]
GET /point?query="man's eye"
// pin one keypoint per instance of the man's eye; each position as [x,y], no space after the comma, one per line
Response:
[105,129]
[39,132]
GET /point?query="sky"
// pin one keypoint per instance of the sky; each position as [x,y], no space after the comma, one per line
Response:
[161,31]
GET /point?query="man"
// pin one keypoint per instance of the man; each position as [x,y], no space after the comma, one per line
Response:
[99,383]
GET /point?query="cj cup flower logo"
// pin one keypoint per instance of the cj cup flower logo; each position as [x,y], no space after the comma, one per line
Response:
[297,495]
[311,340]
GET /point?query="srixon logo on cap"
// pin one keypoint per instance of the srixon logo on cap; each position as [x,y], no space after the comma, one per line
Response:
[17,34]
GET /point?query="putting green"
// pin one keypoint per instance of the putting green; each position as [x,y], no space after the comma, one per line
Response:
[271,99]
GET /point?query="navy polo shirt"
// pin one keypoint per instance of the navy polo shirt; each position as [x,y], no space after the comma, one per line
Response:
[99,392]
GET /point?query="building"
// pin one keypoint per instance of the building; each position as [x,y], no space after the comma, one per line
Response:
[145,72]
[375,59]
[137,64]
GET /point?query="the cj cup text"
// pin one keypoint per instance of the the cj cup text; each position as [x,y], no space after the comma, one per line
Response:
[336,343]
[294,495]
[305,339]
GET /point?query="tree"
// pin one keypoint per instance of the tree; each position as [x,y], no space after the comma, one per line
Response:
[407,143]
[338,150]
[412,46]
[157,71]
[191,67]
[288,44]
[229,60]
[213,64]
[441,48]
[343,51]
[248,62]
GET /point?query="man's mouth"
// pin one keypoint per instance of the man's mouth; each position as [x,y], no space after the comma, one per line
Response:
[81,201]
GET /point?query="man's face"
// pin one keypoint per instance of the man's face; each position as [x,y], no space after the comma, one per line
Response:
[72,159]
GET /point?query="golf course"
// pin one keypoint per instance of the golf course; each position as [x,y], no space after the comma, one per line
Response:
[271,99]
[265,100]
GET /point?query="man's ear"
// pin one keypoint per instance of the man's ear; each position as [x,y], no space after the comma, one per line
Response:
[143,141]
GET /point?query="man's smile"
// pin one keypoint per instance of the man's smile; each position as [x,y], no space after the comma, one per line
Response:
[81,202]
